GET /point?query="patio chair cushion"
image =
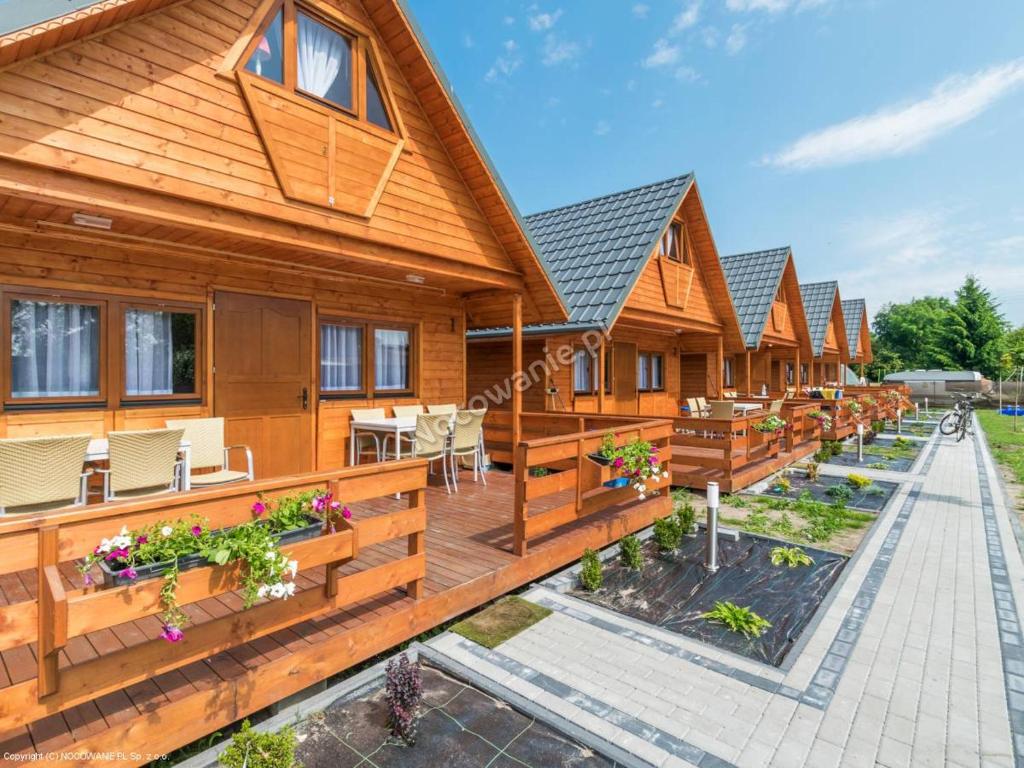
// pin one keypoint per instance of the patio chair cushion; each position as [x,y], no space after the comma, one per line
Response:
[218,478]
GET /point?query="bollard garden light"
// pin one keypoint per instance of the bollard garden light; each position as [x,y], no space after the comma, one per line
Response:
[860,443]
[711,555]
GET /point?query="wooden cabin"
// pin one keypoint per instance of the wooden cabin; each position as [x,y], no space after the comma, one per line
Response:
[193,223]
[858,334]
[766,293]
[650,318]
[829,342]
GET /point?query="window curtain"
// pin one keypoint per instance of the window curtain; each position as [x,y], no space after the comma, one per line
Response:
[582,378]
[341,358]
[322,55]
[55,349]
[148,353]
[391,359]
[657,382]
[643,372]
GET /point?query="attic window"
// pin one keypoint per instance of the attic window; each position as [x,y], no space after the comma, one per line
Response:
[781,295]
[673,244]
[317,58]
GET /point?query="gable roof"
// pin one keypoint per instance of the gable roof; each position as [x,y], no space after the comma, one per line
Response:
[31,28]
[754,279]
[854,311]
[596,249]
[818,300]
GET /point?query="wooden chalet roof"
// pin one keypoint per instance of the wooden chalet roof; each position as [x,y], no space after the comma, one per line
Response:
[754,279]
[819,299]
[30,28]
[596,249]
[854,311]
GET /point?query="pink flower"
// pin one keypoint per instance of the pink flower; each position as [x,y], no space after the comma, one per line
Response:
[335,506]
[129,573]
[197,531]
[320,502]
[88,579]
[117,554]
[618,462]
[346,513]
[97,550]
[258,508]
[142,540]
[171,633]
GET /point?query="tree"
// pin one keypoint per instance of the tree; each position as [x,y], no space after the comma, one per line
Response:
[1013,352]
[976,329]
[918,333]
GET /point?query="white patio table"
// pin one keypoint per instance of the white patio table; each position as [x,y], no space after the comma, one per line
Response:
[99,450]
[745,408]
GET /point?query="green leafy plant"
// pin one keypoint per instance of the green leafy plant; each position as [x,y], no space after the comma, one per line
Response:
[252,749]
[790,556]
[855,408]
[770,423]
[858,481]
[813,470]
[878,426]
[824,419]
[877,465]
[685,514]
[638,460]
[901,442]
[834,447]
[539,471]
[840,492]
[737,619]
[591,575]
[668,533]
[632,552]
[783,484]
[869,401]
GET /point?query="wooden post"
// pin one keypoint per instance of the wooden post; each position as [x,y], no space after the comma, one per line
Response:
[520,508]
[52,612]
[720,368]
[797,375]
[517,368]
[750,384]
[600,376]
[417,543]
[810,371]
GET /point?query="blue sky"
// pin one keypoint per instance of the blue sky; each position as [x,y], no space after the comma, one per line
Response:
[882,139]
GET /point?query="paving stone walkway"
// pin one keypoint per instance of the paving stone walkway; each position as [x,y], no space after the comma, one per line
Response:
[917,661]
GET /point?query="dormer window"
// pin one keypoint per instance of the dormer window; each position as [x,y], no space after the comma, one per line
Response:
[310,54]
[781,295]
[673,244]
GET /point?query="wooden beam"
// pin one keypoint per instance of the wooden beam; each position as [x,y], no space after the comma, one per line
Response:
[517,367]
[750,384]
[600,368]
[720,369]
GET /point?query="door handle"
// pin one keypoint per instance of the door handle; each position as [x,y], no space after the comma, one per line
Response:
[305,398]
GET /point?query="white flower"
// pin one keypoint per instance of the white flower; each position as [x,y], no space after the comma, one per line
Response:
[124,531]
[293,566]
[122,542]
[262,591]
[289,589]
[166,531]
[277,590]
[642,497]
[271,555]
[665,475]
[105,546]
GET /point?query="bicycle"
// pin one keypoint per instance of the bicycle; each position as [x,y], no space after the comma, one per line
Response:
[957,421]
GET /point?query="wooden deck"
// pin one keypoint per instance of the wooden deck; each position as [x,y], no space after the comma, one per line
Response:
[469,561]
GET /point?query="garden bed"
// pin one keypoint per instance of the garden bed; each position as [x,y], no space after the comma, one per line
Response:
[459,726]
[872,498]
[921,428]
[674,591]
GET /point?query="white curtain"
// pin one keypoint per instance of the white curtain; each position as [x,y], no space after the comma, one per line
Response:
[391,359]
[642,370]
[341,358]
[323,54]
[148,353]
[55,349]
[582,377]
[657,375]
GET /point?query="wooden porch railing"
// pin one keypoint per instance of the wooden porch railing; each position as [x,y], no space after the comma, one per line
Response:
[737,442]
[539,506]
[60,614]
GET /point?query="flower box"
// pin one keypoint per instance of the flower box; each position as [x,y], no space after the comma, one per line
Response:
[616,482]
[600,458]
[114,578]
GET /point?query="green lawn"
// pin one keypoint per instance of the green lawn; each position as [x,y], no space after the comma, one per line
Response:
[1007,445]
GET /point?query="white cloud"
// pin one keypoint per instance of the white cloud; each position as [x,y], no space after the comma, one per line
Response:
[602,128]
[710,36]
[737,39]
[640,10]
[507,63]
[508,21]
[557,50]
[657,104]
[898,129]
[541,22]
[688,75]
[744,6]
[663,55]
[686,18]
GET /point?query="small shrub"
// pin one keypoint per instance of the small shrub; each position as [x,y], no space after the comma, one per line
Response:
[878,465]
[834,447]
[737,619]
[791,556]
[840,493]
[632,552]
[403,692]
[783,484]
[539,471]
[813,471]
[253,749]
[590,573]
[822,455]
[685,514]
[878,426]
[902,442]
[668,533]
[858,481]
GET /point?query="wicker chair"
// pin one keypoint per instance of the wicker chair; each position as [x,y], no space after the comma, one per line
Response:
[367,440]
[432,433]
[466,442]
[38,474]
[208,451]
[702,405]
[403,412]
[142,463]
[448,409]
[722,409]
[776,407]
[691,403]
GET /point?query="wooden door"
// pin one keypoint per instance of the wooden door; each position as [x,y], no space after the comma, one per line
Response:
[263,382]
[693,376]
[624,393]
